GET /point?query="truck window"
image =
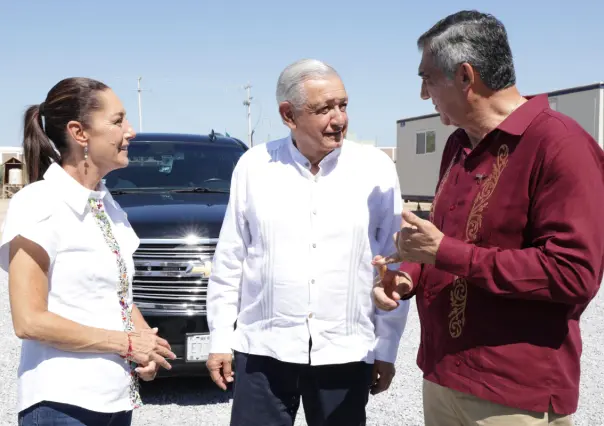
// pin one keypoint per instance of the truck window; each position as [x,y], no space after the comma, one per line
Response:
[176,165]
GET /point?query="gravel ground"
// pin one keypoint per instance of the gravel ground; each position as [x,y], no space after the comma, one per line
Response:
[179,402]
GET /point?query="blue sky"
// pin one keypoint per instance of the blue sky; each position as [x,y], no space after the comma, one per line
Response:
[195,56]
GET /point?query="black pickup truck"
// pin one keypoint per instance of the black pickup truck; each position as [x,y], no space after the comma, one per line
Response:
[175,191]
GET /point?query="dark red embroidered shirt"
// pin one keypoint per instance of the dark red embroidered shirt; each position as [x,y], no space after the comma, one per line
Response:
[522,256]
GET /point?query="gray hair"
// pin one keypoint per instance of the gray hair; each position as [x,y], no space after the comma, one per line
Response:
[290,86]
[476,38]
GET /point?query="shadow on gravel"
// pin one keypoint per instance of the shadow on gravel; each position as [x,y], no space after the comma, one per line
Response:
[183,391]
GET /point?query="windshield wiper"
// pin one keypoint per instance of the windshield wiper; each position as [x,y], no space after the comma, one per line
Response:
[202,189]
[139,190]
[125,191]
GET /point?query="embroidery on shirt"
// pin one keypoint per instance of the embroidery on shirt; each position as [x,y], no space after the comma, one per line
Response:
[440,187]
[482,199]
[457,316]
[459,292]
[123,287]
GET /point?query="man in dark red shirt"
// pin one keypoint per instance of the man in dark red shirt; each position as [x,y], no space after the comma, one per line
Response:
[513,251]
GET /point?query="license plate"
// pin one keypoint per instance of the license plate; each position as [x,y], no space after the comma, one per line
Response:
[198,347]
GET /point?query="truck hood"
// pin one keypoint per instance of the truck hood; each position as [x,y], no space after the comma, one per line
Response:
[165,215]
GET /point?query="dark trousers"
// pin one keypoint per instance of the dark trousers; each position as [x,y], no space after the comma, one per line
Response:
[267,392]
[56,414]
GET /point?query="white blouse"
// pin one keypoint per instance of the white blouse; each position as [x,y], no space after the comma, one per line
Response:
[83,287]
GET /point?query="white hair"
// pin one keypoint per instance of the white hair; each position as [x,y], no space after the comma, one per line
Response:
[290,86]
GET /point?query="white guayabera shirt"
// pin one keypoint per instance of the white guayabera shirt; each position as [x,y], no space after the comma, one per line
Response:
[83,277]
[293,261]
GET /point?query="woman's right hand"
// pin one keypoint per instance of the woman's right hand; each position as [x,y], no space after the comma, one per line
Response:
[147,346]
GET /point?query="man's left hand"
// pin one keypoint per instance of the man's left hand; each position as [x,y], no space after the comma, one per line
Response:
[418,242]
[383,373]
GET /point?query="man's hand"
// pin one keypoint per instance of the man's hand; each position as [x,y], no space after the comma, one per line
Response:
[417,241]
[389,286]
[221,369]
[383,373]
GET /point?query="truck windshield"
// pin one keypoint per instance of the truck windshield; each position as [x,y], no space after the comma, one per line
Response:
[202,167]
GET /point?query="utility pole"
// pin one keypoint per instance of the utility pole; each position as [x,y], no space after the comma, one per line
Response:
[248,102]
[140,111]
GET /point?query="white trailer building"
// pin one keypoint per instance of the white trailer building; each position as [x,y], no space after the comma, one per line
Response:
[421,140]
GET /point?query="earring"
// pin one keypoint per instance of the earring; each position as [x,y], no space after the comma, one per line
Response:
[86,152]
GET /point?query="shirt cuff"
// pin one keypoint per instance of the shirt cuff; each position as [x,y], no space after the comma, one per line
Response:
[414,272]
[221,341]
[411,269]
[454,256]
[386,349]
[394,266]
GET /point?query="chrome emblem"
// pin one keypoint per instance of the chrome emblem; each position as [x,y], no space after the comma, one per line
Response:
[204,269]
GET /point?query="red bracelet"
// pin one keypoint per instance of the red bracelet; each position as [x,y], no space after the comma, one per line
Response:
[128,355]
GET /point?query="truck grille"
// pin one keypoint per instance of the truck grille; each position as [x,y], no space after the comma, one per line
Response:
[171,276]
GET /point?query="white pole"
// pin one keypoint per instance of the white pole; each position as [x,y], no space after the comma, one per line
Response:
[140,111]
[248,104]
[249,122]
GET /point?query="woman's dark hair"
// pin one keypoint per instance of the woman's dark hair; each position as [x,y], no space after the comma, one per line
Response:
[45,125]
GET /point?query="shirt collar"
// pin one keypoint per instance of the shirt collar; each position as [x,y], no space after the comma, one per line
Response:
[520,119]
[303,161]
[73,193]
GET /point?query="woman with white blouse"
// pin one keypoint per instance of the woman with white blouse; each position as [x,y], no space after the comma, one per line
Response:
[67,247]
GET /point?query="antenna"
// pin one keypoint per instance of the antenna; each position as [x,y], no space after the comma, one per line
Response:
[248,102]
[140,111]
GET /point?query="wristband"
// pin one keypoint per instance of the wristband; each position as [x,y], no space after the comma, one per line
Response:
[128,355]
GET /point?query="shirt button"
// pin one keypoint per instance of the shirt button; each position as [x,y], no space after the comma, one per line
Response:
[307,164]
[310,315]
[458,363]
[314,246]
[452,207]
[314,211]
[312,281]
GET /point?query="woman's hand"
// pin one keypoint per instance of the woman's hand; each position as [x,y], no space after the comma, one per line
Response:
[147,347]
[148,372]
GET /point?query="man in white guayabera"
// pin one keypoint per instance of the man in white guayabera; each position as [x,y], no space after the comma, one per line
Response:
[306,216]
